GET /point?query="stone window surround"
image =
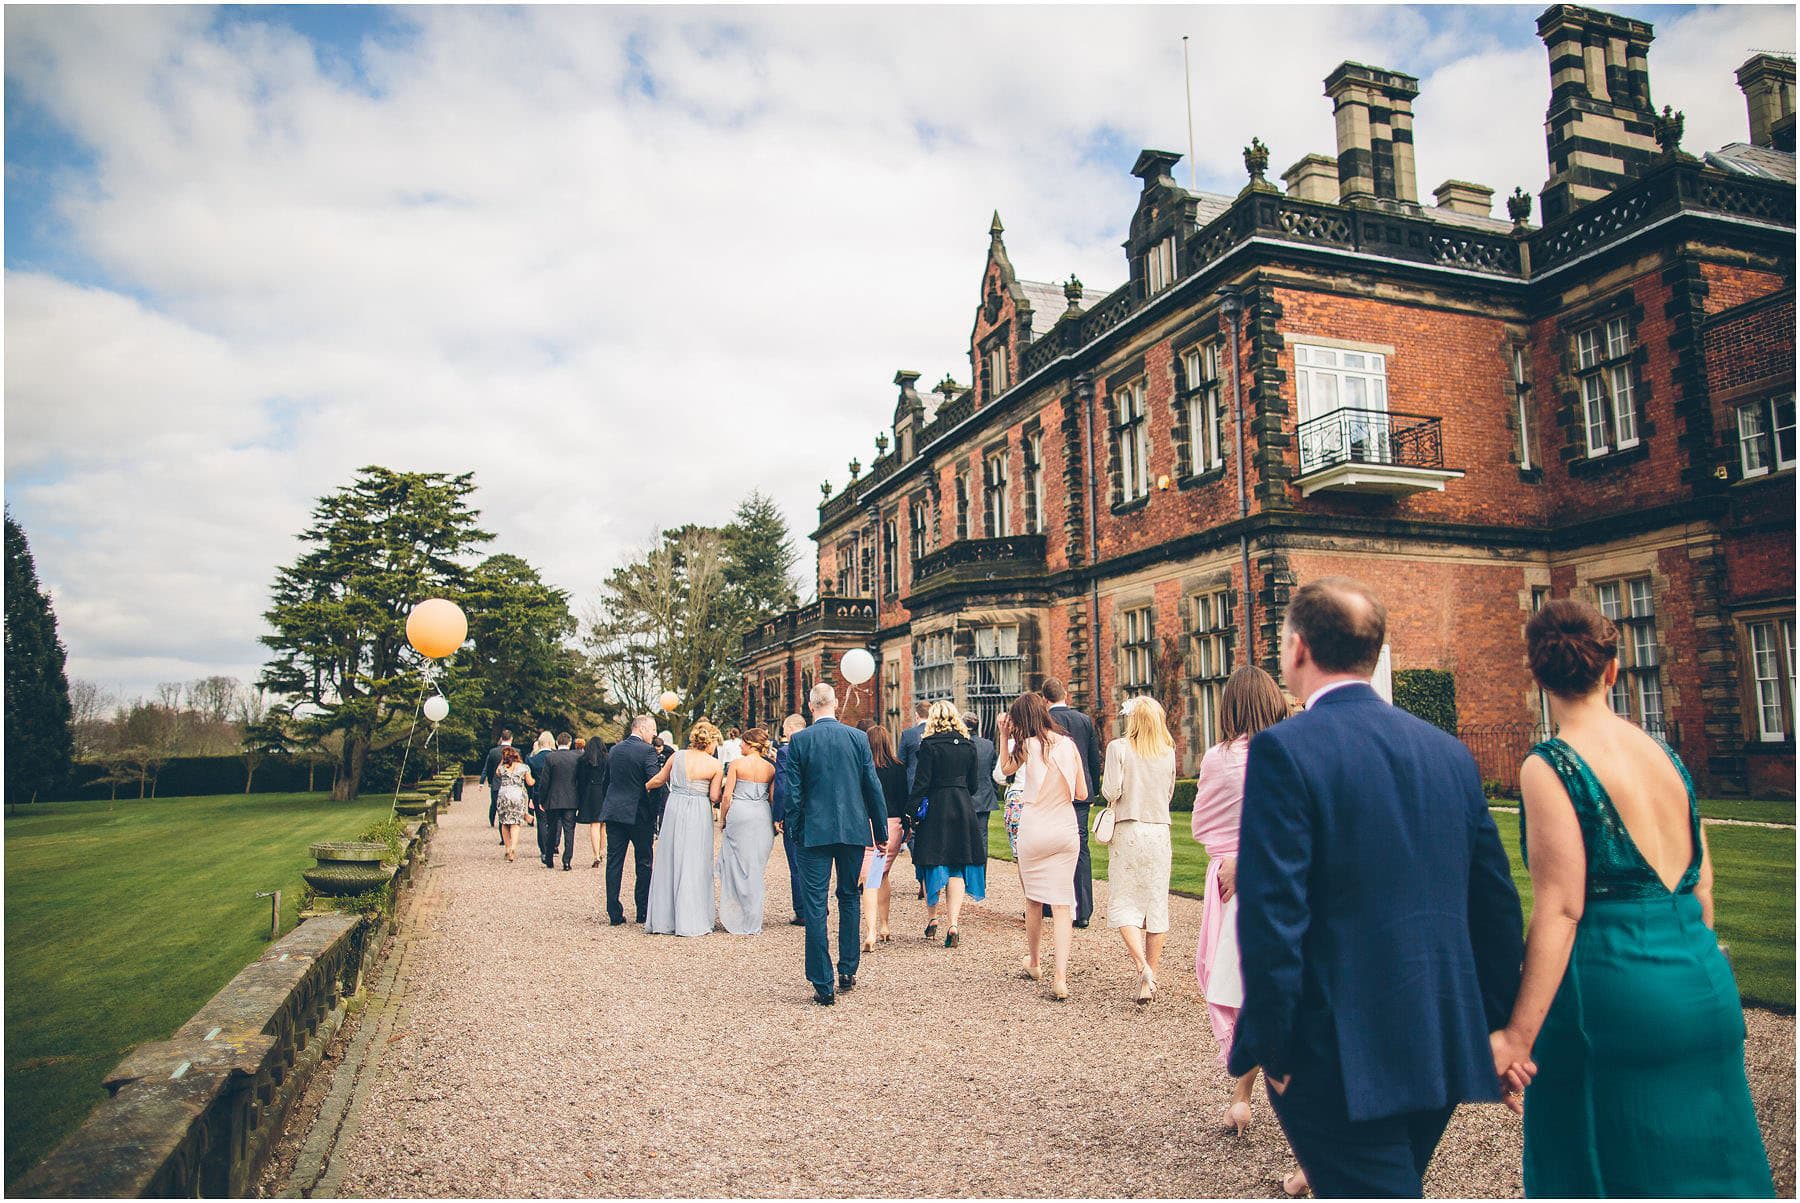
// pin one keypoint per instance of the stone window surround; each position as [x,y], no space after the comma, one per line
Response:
[1567,389]
[1742,619]
[1187,473]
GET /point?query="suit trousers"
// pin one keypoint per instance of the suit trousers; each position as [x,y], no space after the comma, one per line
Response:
[1355,1159]
[641,836]
[1084,869]
[554,827]
[815,871]
[493,804]
[795,885]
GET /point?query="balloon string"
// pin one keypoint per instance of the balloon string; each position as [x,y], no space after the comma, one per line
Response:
[417,706]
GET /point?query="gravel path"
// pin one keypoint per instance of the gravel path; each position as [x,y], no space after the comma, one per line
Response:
[544,1053]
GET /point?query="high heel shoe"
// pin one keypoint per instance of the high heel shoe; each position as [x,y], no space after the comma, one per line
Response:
[1294,1184]
[884,937]
[951,941]
[1059,993]
[931,930]
[1146,988]
[1237,1118]
[868,944]
[1027,969]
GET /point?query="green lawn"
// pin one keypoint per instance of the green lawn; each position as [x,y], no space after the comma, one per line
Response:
[123,918]
[1753,893]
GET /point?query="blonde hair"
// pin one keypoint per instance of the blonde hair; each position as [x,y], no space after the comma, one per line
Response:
[704,737]
[546,742]
[1146,730]
[756,742]
[945,716]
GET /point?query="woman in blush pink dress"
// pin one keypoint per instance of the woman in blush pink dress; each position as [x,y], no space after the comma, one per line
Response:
[1049,833]
[1250,701]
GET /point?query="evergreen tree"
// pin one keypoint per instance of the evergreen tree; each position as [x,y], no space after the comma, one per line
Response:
[40,732]
[759,561]
[523,672]
[375,548]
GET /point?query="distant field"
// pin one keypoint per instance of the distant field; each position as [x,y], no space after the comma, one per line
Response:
[1753,891]
[123,918]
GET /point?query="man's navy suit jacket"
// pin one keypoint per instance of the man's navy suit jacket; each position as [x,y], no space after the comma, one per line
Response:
[1377,921]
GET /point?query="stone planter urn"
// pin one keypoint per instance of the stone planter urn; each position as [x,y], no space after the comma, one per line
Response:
[412,804]
[346,867]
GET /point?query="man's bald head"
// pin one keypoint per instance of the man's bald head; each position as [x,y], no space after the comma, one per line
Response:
[1342,623]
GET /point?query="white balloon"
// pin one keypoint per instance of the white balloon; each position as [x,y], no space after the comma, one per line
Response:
[857,666]
[668,738]
[436,707]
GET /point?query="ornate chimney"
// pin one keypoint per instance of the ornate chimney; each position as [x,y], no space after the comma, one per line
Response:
[1373,107]
[1768,84]
[1600,129]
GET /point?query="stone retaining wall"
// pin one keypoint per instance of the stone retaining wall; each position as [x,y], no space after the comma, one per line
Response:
[196,1114]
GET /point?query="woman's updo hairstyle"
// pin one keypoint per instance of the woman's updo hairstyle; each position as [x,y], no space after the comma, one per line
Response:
[757,740]
[1569,644]
[703,737]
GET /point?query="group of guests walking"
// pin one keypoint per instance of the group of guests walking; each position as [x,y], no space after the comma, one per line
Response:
[1362,946]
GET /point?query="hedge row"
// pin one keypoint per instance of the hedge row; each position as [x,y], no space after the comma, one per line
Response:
[192,776]
[1429,693]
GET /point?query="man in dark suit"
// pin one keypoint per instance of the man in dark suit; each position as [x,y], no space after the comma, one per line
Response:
[560,798]
[487,775]
[1080,728]
[985,797]
[911,738]
[1378,926]
[835,801]
[629,813]
[778,811]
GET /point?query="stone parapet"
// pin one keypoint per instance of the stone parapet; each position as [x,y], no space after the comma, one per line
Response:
[197,1114]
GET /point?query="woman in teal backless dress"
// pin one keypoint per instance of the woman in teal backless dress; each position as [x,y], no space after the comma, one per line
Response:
[1627,1005]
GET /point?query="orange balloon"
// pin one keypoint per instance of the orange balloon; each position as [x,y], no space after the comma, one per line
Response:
[669,700]
[436,627]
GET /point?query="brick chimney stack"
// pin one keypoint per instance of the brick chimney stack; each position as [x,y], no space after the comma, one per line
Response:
[1373,107]
[1460,196]
[1768,84]
[1600,129]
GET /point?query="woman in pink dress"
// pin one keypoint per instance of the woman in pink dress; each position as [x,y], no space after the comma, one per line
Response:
[1049,833]
[1251,701]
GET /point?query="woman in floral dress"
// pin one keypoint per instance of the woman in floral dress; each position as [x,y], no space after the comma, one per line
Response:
[512,780]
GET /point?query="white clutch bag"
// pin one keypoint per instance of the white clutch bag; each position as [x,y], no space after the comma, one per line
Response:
[1225,978]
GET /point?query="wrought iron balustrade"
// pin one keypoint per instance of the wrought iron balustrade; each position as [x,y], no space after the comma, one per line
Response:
[1370,436]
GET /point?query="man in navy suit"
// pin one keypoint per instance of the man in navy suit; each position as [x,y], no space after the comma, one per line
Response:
[984,797]
[911,738]
[1378,927]
[835,805]
[1080,728]
[629,812]
[778,812]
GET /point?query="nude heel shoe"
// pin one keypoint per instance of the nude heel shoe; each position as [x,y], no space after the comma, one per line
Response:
[1237,1118]
[1027,969]
[1294,1184]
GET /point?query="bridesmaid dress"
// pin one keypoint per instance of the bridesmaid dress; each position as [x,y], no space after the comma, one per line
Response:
[1218,811]
[744,858]
[681,877]
[1640,1088]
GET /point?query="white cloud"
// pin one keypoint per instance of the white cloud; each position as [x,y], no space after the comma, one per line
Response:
[626,264]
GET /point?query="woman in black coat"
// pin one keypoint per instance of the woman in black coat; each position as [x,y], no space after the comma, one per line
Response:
[951,844]
[590,792]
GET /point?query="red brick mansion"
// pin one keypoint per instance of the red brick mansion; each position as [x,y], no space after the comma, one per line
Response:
[1472,413]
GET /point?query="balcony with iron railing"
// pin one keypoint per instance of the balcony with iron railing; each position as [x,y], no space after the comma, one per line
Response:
[980,561]
[827,616]
[1372,451]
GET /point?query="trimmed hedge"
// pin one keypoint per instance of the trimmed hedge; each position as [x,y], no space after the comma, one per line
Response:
[194,776]
[1429,693]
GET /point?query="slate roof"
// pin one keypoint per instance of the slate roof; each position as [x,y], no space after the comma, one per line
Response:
[1473,221]
[1762,162]
[1047,304]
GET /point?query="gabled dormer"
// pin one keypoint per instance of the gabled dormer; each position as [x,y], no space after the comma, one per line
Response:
[1002,323]
[909,416]
[1164,218]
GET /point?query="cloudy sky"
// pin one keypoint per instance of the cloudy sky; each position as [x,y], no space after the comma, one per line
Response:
[626,264]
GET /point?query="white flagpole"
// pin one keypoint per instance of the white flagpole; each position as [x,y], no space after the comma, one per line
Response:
[1187,80]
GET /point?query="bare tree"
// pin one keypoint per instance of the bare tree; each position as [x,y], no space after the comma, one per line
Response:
[91,715]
